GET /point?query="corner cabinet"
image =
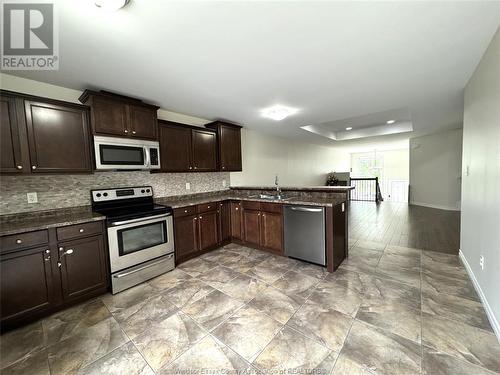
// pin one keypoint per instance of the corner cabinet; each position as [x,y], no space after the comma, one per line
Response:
[229,146]
[46,270]
[43,136]
[185,148]
[121,116]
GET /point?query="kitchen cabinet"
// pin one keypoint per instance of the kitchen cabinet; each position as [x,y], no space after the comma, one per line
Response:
[185,148]
[83,266]
[224,222]
[228,145]
[10,157]
[121,116]
[26,286]
[43,136]
[196,230]
[58,137]
[40,275]
[236,220]
[263,225]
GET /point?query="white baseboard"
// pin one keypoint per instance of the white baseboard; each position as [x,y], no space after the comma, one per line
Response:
[447,208]
[489,312]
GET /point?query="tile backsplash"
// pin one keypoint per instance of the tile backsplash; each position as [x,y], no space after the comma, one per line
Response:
[59,191]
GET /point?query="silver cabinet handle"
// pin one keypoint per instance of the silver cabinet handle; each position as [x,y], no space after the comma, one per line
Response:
[47,251]
[19,241]
[236,208]
[19,167]
[33,167]
[195,218]
[195,167]
[59,264]
[133,131]
[125,131]
[208,207]
[81,230]
[61,248]
[47,259]
[67,252]
[223,167]
[201,217]
[190,167]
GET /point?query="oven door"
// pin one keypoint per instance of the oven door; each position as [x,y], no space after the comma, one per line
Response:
[136,241]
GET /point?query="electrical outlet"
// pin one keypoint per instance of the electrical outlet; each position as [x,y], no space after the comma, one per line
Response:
[467,172]
[188,186]
[481,262]
[32,197]
[223,183]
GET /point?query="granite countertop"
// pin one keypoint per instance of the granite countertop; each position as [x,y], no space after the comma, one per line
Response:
[186,200]
[30,221]
[331,189]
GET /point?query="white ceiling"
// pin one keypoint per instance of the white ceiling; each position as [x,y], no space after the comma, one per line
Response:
[331,60]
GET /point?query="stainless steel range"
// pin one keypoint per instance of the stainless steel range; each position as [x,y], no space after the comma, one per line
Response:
[140,234]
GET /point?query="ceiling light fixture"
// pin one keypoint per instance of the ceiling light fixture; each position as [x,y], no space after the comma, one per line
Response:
[110,5]
[278,112]
[348,128]
[391,122]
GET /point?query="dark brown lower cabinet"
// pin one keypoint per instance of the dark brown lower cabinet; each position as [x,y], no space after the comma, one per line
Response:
[186,238]
[26,283]
[208,230]
[236,220]
[251,225]
[40,275]
[271,231]
[224,222]
[84,269]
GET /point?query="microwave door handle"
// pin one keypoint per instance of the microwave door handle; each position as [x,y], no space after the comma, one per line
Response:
[148,158]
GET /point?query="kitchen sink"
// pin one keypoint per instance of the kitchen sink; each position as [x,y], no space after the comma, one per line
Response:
[269,197]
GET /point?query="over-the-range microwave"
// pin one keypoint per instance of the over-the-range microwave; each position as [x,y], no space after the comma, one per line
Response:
[122,153]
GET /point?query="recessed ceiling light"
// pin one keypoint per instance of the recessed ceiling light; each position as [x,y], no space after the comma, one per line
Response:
[391,121]
[111,5]
[348,128]
[278,112]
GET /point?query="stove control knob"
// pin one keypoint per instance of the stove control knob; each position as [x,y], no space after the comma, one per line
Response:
[143,191]
[147,190]
[98,195]
[105,194]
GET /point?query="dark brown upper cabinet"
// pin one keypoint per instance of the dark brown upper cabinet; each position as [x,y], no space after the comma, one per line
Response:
[121,116]
[40,135]
[229,145]
[10,141]
[58,137]
[185,148]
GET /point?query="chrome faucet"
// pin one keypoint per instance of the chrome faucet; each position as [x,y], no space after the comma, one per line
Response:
[278,189]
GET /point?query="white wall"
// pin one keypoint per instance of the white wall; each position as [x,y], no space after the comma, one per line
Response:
[435,170]
[297,164]
[480,220]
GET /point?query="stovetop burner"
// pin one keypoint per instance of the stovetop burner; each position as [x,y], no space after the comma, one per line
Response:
[126,203]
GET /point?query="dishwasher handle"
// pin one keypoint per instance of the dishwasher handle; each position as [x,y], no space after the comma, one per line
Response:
[306,209]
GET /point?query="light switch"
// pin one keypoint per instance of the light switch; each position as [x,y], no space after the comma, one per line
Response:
[188,186]
[32,197]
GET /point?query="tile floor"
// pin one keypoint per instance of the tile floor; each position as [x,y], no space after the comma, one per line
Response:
[387,310]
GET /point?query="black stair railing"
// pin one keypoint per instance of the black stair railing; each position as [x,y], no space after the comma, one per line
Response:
[366,189]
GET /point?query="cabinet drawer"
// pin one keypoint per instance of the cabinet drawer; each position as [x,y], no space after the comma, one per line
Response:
[207,207]
[79,230]
[24,240]
[185,211]
[270,207]
[251,205]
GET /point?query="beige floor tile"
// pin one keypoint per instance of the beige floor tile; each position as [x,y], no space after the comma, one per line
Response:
[244,288]
[276,304]
[337,297]
[296,283]
[36,363]
[21,342]
[187,292]
[169,280]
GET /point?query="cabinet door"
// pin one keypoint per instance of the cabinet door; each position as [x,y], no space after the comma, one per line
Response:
[230,148]
[204,145]
[10,143]
[143,122]
[109,117]
[272,231]
[186,237]
[83,266]
[208,230]
[58,138]
[224,222]
[236,220]
[251,226]
[175,148]
[26,283]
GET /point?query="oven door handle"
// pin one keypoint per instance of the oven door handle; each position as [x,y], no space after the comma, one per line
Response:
[119,275]
[117,223]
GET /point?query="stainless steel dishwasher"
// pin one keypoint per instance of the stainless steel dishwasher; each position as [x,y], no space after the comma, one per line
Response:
[305,233]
